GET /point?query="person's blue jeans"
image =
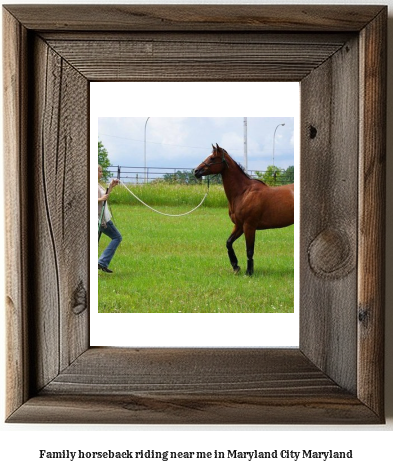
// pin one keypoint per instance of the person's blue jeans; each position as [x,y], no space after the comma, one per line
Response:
[115,236]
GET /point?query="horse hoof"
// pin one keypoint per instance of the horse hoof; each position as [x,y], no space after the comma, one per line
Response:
[236,270]
[249,273]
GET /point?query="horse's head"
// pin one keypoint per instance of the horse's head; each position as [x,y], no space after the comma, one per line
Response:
[215,163]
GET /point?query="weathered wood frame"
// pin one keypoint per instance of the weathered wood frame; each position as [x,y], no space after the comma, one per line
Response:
[338,54]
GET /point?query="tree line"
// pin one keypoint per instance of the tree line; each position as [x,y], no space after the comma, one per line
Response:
[272,176]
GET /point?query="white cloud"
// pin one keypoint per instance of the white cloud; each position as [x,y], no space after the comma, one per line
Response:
[184,142]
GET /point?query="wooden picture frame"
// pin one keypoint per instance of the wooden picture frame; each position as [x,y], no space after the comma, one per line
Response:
[338,54]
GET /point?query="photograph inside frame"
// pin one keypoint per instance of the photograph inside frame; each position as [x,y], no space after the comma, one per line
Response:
[196,214]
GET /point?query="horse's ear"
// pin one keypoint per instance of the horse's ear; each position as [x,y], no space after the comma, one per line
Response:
[214,148]
[218,148]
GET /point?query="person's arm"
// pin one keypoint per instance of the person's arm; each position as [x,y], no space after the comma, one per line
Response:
[114,183]
[103,198]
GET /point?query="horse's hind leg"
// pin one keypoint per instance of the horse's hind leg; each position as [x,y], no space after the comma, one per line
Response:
[249,233]
[236,233]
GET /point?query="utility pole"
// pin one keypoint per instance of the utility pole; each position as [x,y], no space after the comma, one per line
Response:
[245,145]
[274,138]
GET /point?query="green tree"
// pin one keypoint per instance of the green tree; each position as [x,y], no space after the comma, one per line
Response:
[180,177]
[103,161]
[272,176]
[188,177]
[288,175]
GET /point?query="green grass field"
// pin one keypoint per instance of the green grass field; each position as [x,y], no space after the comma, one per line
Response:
[180,264]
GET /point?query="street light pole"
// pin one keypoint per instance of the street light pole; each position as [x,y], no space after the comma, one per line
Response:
[274,138]
[145,151]
[245,144]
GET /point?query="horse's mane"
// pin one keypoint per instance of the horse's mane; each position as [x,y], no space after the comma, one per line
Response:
[242,169]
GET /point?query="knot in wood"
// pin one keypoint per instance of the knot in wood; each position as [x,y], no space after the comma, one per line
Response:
[331,254]
[364,316]
[313,132]
[80,299]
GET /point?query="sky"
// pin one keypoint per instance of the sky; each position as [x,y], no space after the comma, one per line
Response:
[184,142]
[183,119]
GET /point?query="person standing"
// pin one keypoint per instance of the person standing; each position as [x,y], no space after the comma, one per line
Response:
[107,226]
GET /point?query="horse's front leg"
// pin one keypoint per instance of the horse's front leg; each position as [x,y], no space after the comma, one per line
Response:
[249,233]
[236,233]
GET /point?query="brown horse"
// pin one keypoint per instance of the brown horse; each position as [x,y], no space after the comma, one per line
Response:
[253,205]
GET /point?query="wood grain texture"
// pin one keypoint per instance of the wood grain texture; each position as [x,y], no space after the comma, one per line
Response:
[153,409]
[201,37]
[200,386]
[60,180]
[15,225]
[195,17]
[215,59]
[335,376]
[328,277]
[372,190]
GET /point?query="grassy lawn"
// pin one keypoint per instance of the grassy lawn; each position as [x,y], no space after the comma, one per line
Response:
[180,264]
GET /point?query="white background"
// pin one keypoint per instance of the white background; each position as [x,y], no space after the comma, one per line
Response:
[371,445]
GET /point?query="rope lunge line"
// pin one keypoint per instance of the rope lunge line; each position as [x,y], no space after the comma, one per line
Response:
[163,213]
